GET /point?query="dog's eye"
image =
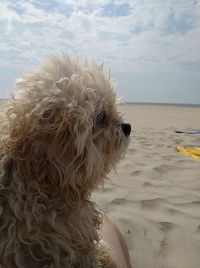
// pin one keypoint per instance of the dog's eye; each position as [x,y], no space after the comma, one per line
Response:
[101,118]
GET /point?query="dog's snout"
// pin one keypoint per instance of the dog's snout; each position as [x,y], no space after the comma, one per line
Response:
[126,129]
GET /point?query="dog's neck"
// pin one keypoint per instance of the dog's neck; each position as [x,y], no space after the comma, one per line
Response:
[34,218]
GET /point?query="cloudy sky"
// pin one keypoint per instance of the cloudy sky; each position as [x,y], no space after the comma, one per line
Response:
[152,47]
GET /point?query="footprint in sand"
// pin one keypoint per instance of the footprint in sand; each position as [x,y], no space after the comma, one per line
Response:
[164,168]
[136,172]
[149,184]
[198,229]
[167,226]
[152,203]
[120,201]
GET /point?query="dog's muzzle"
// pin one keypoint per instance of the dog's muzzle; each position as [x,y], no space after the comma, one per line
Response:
[126,129]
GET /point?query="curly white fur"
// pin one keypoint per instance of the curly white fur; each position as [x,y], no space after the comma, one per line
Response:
[60,137]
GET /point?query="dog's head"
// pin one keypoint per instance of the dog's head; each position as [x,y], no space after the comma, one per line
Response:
[64,130]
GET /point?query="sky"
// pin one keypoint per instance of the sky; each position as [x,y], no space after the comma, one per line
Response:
[152,47]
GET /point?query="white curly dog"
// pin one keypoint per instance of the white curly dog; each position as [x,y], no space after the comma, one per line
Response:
[61,135]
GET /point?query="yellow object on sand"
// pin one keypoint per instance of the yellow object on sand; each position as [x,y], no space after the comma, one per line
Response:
[189,151]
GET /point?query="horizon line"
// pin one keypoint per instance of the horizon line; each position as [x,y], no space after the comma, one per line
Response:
[163,103]
[148,103]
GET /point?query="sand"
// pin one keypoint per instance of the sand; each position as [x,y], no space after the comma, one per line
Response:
[154,198]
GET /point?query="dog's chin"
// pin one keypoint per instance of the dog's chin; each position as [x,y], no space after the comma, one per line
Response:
[118,153]
[126,143]
[123,146]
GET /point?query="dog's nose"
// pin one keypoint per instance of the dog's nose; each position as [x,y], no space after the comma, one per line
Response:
[126,129]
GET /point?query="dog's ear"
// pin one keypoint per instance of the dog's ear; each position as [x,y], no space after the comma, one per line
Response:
[51,140]
[50,147]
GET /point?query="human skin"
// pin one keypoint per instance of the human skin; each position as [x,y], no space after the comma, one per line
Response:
[111,235]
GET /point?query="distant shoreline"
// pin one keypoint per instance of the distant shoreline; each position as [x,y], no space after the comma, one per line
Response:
[147,103]
[163,104]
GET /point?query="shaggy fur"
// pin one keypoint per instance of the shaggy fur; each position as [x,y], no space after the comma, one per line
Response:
[61,135]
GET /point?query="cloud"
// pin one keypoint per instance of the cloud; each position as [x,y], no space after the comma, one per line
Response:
[130,36]
[115,10]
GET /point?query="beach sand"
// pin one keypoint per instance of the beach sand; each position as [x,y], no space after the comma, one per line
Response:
[154,198]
